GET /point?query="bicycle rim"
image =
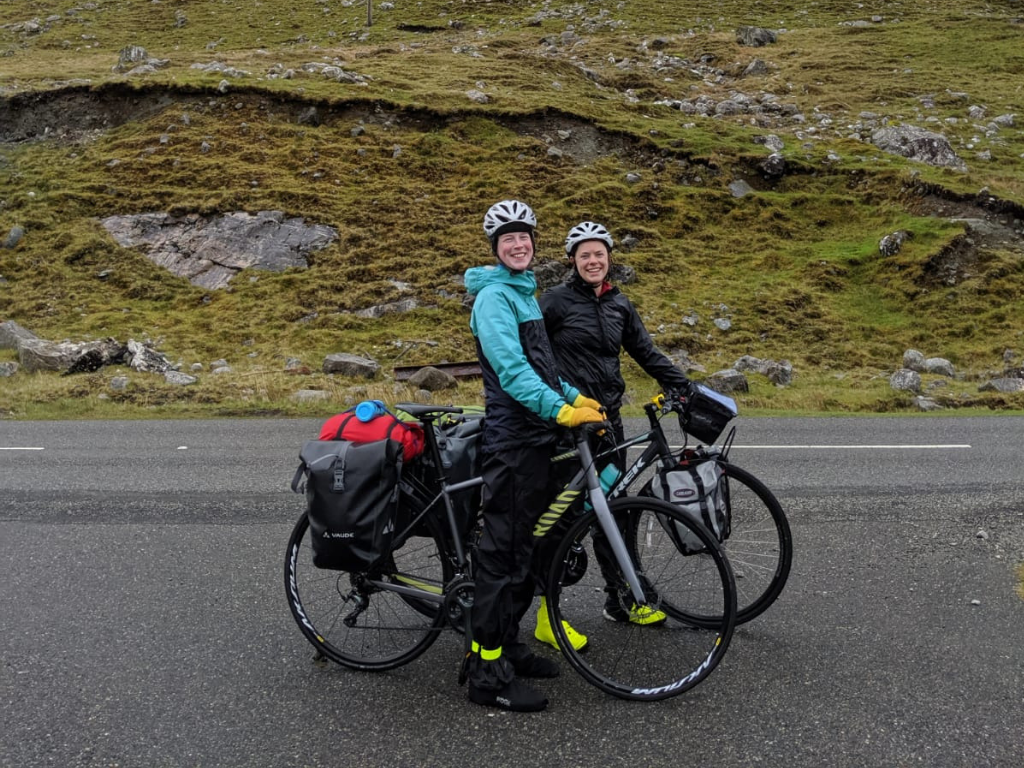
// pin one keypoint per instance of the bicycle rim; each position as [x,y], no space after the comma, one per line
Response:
[643,661]
[356,624]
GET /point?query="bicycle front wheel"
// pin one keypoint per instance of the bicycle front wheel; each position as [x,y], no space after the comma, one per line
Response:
[354,620]
[642,652]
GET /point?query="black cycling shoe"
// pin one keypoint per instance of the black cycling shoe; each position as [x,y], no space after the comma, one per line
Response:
[535,666]
[514,697]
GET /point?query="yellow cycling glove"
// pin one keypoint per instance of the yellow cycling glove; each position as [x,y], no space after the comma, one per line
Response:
[582,401]
[573,417]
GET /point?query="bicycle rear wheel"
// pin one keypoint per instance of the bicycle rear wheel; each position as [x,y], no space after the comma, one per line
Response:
[361,625]
[759,546]
[643,661]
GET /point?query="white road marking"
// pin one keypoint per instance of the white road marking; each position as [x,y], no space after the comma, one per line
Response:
[20,448]
[896,446]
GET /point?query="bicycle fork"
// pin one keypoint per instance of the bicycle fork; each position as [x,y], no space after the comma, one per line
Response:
[604,516]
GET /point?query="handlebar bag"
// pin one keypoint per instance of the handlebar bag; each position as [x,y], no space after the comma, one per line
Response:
[351,499]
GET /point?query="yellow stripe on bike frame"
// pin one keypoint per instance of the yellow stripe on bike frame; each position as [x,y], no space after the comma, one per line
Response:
[555,512]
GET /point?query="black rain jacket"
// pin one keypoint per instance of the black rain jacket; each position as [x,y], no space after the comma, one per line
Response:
[587,333]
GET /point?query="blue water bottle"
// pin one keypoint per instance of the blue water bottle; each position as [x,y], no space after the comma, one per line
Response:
[368,410]
[608,477]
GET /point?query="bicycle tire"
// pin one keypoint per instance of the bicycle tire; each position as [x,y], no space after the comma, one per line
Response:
[759,545]
[644,662]
[759,548]
[391,629]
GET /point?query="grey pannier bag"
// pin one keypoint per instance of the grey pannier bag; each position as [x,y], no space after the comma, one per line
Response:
[701,490]
[352,500]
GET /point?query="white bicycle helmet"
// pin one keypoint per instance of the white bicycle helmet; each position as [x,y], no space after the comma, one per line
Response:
[587,230]
[507,216]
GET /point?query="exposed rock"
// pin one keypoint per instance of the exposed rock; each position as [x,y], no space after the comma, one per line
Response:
[345,364]
[1006,386]
[926,404]
[779,373]
[728,380]
[432,379]
[179,378]
[905,379]
[141,357]
[395,307]
[478,96]
[119,383]
[14,237]
[755,37]
[211,251]
[940,366]
[919,145]
[740,188]
[773,166]
[11,334]
[95,355]
[8,369]
[890,245]
[68,357]
[311,396]
[550,273]
[913,360]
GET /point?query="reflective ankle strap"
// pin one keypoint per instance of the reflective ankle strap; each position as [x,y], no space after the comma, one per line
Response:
[485,653]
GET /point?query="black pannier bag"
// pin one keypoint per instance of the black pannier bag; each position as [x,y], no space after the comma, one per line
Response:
[458,441]
[352,500]
[460,455]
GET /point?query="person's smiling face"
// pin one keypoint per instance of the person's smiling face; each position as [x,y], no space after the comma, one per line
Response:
[591,262]
[515,250]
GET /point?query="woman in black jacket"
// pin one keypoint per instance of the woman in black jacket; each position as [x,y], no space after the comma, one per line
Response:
[589,322]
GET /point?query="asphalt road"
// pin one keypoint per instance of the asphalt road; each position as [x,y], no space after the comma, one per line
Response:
[143,620]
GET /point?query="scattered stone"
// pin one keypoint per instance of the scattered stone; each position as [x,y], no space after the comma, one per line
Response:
[433,379]
[773,166]
[728,380]
[7,370]
[926,404]
[982,534]
[755,37]
[345,364]
[891,244]
[722,324]
[740,188]
[919,145]
[14,237]
[310,396]
[142,357]
[395,307]
[940,366]
[178,378]
[906,380]
[478,96]
[913,360]
[1003,385]
[119,383]
[11,334]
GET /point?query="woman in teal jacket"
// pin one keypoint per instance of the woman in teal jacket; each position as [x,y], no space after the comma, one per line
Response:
[525,403]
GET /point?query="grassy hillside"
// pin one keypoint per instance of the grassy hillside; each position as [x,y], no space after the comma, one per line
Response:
[794,265]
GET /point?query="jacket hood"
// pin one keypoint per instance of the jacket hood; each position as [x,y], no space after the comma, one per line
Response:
[478,278]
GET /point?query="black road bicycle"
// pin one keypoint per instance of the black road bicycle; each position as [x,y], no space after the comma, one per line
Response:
[759,546]
[390,614]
